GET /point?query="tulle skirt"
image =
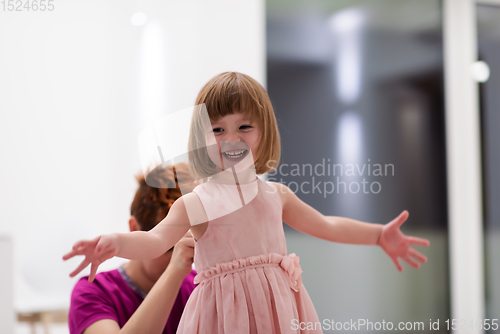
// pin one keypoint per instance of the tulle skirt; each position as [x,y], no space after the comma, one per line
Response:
[260,294]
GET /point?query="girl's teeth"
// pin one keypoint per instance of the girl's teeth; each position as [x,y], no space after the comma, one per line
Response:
[236,154]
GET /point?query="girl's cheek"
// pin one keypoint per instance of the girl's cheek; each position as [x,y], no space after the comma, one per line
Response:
[210,140]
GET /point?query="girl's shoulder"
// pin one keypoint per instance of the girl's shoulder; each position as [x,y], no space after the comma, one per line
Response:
[282,190]
[276,186]
[195,208]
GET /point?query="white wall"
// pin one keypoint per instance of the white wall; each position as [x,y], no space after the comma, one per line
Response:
[71,107]
[6,284]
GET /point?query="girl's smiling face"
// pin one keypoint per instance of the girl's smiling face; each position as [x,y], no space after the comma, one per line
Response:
[235,136]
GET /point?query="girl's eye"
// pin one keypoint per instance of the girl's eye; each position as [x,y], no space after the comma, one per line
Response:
[246,127]
[217,130]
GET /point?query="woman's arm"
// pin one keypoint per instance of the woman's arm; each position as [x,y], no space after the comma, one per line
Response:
[152,315]
[304,218]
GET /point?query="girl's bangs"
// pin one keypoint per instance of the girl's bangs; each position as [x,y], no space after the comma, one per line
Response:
[233,96]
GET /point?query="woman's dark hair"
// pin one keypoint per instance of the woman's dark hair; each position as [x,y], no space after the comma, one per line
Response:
[151,204]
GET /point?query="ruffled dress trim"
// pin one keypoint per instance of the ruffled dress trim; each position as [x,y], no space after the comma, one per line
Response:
[289,263]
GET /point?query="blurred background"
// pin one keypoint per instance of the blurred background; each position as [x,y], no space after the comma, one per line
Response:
[361,82]
[352,82]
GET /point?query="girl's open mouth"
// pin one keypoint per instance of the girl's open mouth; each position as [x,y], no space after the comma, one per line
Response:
[235,154]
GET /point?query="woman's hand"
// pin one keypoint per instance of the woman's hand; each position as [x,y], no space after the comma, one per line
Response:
[182,256]
[396,244]
[96,251]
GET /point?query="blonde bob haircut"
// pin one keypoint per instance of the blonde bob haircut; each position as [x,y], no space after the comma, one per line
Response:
[225,94]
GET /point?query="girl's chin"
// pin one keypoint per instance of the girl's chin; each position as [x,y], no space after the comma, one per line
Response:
[241,165]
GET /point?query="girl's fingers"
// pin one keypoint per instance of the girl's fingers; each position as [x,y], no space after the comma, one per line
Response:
[402,218]
[85,243]
[82,266]
[69,255]
[77,250]
[396,262]
[418,241]
[79,244]
[413,253]
[411,262]
[93,271]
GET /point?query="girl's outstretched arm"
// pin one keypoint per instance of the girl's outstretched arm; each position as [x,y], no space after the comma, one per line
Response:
[137,245]
[305,218]
[141,245]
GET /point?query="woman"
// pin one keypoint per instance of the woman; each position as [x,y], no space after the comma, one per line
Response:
[141,296]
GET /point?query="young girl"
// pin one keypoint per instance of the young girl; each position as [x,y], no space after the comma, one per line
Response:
[247,282]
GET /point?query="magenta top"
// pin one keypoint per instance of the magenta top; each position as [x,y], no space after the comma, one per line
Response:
[113,296]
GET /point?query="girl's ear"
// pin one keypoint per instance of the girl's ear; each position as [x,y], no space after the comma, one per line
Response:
[133,224]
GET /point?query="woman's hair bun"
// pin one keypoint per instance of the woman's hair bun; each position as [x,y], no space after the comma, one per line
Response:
[157,193]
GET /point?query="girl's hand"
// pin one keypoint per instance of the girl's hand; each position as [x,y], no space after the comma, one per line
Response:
[396,244]
[96,251]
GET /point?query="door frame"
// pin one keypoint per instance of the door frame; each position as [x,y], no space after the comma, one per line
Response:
[463,150]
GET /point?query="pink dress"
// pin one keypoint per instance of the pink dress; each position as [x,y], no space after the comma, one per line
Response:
[247,282]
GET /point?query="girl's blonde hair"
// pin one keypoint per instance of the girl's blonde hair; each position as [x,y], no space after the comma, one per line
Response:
[223,95]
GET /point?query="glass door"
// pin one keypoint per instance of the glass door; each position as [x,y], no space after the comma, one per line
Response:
[358,90]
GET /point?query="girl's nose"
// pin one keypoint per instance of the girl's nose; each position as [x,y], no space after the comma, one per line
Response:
[232,137]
